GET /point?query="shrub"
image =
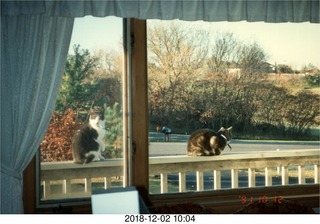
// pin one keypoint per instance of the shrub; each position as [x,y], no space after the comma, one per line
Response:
[313,79]
[113,117]
[56,145]
[302,113]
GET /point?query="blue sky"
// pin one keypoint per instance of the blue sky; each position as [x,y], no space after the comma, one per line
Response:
[295,44]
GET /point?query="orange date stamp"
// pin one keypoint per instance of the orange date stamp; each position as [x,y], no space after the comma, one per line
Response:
[261,199]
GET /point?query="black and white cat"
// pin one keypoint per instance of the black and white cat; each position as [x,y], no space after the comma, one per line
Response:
[88,141]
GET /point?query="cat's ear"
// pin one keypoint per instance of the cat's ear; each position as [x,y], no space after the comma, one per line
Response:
[222,129]
[229,128]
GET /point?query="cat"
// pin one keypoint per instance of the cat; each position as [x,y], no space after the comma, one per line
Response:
[205,142]
[88,141]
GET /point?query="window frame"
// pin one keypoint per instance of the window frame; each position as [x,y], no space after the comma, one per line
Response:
[223,199]
[133,91]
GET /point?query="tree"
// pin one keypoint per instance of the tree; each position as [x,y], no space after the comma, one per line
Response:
[285,69]
[251,58]
[272,104]
[312,75]
[302,112]
[223,52]
[113,117]
[176,59]
[109,64]
[76,89]
[246,86]
[233,97]
[108,73]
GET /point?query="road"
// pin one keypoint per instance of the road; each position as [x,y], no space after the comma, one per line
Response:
[238,146]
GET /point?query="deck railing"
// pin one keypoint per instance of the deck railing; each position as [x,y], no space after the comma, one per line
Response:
[67,174]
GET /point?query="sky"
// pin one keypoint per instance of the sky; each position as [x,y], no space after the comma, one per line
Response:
[294,44]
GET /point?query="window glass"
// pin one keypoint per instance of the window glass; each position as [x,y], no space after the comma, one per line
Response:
[87,122]
[259,80]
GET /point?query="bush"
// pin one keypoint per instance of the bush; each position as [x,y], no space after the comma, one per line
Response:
[113,117]
[302,113]
[56,145]
[313,80]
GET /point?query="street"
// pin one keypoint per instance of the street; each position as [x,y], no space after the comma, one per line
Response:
[238,146]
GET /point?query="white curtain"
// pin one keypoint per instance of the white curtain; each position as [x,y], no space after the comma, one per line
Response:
[190,10]
[33,55]
[35,36]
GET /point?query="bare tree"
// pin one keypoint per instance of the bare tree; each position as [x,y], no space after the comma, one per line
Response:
[108,76]
[109,63]
[176,59]
[251,58]
[233,97]
[272,104]
[223,52]
[302,112]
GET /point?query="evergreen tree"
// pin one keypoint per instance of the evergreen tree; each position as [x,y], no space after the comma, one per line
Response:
[76,90]
[113,119]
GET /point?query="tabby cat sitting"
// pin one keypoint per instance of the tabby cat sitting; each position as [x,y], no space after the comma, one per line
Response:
[205,142]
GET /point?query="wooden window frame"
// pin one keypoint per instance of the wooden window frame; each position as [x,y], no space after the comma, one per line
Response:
[140,155]
[223,201]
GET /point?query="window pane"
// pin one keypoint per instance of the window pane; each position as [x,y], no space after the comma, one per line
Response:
[83,148]
[259,80]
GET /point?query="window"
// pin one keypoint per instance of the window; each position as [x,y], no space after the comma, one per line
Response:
[163,155]
[261,79]
[93,77]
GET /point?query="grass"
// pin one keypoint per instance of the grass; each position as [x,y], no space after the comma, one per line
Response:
[273,137]
[293,82]
[314,90]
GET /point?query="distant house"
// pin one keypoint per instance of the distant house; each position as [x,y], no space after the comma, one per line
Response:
[268,68]
[265,67]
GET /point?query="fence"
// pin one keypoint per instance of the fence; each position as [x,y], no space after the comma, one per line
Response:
[59,180]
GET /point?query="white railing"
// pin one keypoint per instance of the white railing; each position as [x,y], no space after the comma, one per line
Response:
[64,176]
